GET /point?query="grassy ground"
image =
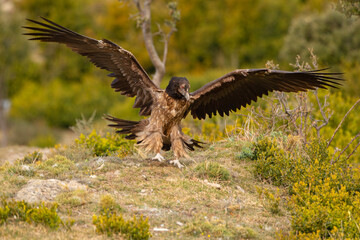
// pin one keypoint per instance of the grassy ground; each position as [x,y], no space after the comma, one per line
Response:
[180,203]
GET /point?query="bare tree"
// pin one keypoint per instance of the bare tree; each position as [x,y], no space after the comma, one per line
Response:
[144,22]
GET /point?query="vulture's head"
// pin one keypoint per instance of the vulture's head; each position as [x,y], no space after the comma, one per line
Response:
[178,88]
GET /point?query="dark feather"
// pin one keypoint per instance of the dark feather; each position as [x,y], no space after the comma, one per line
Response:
[130,78]
[238,88]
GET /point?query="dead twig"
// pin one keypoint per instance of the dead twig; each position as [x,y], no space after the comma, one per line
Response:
[341,122]
[353,151]
[347,146]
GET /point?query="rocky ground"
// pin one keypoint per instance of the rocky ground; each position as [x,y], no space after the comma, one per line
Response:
[180,203]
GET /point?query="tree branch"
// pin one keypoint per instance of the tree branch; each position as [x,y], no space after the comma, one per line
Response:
[338,127]
[353,151]
[145,15]
[144,8]
[326,119]
[357,135]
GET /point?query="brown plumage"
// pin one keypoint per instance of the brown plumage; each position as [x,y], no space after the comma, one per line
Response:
[166,108]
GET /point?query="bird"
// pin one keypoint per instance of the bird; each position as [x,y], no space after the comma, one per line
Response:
[165,108]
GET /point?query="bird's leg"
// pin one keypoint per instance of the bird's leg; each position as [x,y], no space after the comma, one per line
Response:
[177,145]
[176,163]
[158,157]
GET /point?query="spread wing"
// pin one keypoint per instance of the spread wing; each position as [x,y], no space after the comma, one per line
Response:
[238,88]
[130,78]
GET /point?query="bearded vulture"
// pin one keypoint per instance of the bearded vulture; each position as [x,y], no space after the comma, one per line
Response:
[166,108]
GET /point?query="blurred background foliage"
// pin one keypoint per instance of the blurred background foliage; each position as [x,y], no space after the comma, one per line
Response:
[50,87]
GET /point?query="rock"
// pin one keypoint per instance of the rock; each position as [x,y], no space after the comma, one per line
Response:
[215,185]
[160,229]
[37,190]
[100,161]
[101,167]
[26,168]
[179,223]
[240,189]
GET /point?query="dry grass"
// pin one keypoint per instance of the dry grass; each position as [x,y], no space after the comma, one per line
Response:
[187,206]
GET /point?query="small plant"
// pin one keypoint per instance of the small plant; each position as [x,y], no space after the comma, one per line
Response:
[73,198]
[105,146]
[272,201]
[31,158]
[110,223]
[57,165]
[217,229]
[108,203]
[45,216]
[212,170]
[246,153]
[4,214]
[38,214]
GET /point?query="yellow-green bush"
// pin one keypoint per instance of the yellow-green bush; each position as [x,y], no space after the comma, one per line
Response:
[38,214]
[106,146]
[108,203]
[325,192]
[110,223]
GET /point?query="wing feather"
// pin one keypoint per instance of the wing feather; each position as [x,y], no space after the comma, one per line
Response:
[130,78]
[238,88]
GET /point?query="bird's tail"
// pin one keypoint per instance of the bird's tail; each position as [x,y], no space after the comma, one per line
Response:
[123,126]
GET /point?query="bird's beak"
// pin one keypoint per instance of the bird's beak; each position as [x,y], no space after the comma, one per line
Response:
[187,96]
[184,93]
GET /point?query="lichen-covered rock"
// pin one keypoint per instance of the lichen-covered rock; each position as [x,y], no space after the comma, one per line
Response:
[37,190]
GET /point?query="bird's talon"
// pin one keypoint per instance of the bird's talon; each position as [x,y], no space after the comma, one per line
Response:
[158,157]
[176,163]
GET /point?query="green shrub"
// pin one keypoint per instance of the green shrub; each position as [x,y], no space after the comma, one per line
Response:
[110,223]
[212,171]
[108,203]
[105,146]
[272,163]
[38,214]
[74,198]
[4,214]
[325,192]
[246,153]
[272,201]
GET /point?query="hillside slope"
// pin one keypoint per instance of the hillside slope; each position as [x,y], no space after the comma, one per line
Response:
[216,195]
